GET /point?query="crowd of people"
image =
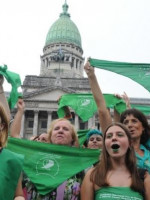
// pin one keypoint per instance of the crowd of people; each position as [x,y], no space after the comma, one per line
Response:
[123,170]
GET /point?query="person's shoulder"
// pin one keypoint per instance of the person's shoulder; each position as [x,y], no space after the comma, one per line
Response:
[13,156]
[8,152]
[88,173]
[143,147]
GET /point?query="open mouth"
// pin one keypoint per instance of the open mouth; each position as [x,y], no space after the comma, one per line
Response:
[115,147]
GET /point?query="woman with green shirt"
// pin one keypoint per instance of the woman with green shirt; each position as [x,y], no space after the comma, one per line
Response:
[10,165]
[116,175]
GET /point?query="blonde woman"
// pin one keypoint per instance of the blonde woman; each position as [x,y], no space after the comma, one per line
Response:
[61,132]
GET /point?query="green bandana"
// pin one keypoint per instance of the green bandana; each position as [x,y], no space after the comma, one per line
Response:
[82,136]
[144,109]
[49,165]
[15,81]
[139,72]
[84,104]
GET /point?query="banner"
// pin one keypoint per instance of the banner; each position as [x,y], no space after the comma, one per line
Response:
[84,104]
[139,72]
[49,165]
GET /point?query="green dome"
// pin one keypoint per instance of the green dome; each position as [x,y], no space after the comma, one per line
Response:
[64,30]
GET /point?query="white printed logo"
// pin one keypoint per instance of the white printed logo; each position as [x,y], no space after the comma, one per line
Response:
[85,102]
[47,165]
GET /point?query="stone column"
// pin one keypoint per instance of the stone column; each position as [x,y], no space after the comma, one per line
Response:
[91,122]
[22,126]
[76,122]
[49,120]
[35,125]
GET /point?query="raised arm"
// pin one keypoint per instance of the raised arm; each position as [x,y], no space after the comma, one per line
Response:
[104,115]
[15,127]
[3,99]
[19,191]
[87,187]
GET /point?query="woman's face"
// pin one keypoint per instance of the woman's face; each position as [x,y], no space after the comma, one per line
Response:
[95,142]
[62,133]
[134,126]
[116,142]
[42,138]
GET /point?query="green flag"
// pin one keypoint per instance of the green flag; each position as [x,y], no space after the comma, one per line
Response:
[84,104]
[49,165]
[15,81]
[139,72]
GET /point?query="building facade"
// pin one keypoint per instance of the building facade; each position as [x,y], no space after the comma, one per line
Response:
[61,72]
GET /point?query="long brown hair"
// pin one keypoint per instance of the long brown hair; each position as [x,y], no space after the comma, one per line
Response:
[98,175]
[4,131]
[75,141]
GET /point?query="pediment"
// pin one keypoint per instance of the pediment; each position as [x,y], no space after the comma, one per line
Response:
[47,94]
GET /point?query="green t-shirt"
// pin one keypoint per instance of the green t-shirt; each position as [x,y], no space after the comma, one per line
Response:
[117,193]
[10,170]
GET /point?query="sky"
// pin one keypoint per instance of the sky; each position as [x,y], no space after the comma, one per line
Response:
[116,30]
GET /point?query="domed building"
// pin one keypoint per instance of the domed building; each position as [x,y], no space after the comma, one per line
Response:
[62,53]
[61,72]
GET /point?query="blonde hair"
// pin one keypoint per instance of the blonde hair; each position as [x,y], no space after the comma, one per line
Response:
[75,141]
[4,130]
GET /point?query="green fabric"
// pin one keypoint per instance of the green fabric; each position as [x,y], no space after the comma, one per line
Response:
[114,102]
[82,136]
[15,81]
[145,109]
[49,165]
[113,193]
[84,104]
[10,171]
[139,72]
